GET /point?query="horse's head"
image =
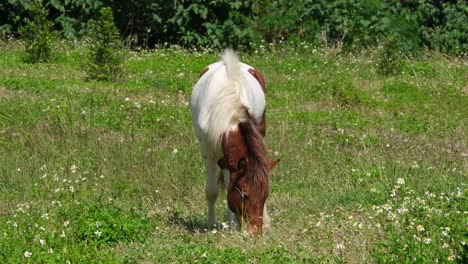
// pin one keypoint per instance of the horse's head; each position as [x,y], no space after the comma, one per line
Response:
[247,195]
[249,178]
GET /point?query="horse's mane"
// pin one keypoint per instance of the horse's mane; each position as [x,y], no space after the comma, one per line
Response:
[257,164]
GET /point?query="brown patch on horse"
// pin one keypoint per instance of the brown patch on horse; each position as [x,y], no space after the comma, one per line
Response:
[203,72]
[262,126]
[259,77]
[234,149]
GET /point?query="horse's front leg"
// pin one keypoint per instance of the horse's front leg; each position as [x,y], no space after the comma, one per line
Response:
[231,216]
[266,218]
[211,190]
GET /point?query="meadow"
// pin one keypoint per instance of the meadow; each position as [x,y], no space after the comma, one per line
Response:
[373,167]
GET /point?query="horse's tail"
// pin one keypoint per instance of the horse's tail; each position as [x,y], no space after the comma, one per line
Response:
[228,110]
[232,65]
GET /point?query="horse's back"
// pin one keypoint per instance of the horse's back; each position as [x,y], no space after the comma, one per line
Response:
[206,97]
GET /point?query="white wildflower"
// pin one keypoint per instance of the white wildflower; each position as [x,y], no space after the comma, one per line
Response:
[98,233]
[427,240]
[402,210]
[340,246]
[27,254]
[175,151]
[420,228]
[400,181]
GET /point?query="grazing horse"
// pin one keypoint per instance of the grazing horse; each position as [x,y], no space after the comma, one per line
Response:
[228,113]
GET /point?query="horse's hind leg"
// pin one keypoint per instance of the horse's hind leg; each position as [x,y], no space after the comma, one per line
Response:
[211,190]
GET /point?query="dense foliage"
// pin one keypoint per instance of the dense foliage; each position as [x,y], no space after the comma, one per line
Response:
[438,25]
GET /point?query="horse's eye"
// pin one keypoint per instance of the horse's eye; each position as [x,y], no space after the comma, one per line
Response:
[243,194]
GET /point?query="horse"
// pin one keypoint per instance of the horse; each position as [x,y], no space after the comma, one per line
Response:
[228,113]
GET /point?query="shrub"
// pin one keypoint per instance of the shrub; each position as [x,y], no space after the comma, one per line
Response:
[105,58]
[390,56]
[220,24]
[353,24]
[37,34]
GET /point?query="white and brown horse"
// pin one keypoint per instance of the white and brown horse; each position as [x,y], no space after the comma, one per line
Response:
[228,113]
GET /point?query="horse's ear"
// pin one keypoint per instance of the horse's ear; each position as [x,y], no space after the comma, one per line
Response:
[272,164]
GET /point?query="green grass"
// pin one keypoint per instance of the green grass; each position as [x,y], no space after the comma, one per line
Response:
[110,172]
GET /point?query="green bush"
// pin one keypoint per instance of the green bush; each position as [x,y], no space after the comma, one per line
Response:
[352,24]
[105,57]
[390,57]
[220,24]
[451,33]
[37,34]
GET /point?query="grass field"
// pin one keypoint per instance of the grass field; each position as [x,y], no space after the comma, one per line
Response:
[373,168]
